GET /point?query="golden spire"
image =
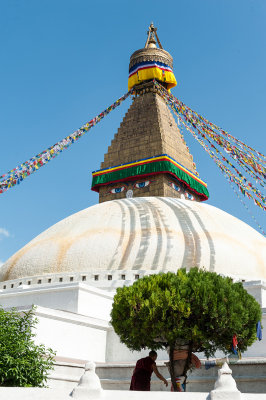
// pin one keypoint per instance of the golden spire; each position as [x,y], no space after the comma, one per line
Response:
[151,42]
[151,62]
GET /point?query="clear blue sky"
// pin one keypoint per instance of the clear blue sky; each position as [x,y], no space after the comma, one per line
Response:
[64,61]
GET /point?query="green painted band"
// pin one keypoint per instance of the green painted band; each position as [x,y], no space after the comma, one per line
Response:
[152,169]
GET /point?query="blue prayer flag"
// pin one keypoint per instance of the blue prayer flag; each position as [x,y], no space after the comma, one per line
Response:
[259,331]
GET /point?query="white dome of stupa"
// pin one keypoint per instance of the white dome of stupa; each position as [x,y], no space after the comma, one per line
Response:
[143,234]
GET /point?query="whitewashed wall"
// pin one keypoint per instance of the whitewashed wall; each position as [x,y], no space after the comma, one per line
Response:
[72,335]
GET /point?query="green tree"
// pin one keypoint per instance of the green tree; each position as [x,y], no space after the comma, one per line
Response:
[22,362]
[199,308]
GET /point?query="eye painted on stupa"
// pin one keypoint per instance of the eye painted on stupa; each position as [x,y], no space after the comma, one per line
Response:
[119,189]
[140,185]
[175,187]
[189,196]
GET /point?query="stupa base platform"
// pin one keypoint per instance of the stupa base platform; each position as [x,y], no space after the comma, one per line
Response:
[249,374]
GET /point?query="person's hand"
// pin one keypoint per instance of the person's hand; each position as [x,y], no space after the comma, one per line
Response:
[165,382]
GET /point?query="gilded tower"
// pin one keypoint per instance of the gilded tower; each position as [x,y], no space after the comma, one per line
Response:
[148,156]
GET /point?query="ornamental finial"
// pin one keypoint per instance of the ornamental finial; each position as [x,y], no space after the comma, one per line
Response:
[151,42]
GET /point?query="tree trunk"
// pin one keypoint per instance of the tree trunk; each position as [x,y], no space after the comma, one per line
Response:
[172,370]
[188,364]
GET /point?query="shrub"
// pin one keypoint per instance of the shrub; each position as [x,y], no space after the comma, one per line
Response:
[22,362]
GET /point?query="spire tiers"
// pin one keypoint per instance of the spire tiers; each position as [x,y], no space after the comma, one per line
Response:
[148,156]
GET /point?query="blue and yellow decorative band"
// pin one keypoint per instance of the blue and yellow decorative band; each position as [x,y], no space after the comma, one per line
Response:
[151,70]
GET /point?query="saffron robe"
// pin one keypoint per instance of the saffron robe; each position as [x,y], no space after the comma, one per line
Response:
[141,378]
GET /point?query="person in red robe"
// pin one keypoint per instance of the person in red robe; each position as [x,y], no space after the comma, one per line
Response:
[141,378]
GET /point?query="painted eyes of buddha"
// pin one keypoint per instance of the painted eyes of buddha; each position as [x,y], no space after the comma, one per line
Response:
[118,189]
[138,185]
[141,185]
[176,187]
[189,196]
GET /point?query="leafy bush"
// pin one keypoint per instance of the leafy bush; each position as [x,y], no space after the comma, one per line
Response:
[22,362]
[200,308]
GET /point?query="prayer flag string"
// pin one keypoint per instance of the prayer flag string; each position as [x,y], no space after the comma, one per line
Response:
[246,207]
[18,174]
[219,145]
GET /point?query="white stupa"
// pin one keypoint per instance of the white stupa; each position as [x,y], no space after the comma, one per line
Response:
[128,238]
[146,222]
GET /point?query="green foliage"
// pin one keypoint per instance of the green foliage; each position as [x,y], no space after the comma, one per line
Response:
[199,307]
[22,363]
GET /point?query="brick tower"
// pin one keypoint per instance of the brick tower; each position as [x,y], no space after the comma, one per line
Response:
[148,156]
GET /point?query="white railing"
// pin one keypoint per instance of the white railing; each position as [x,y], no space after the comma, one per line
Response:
[89,388]
[97,278]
